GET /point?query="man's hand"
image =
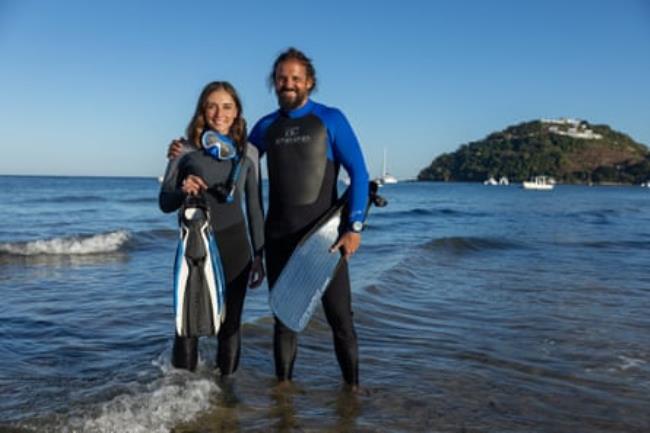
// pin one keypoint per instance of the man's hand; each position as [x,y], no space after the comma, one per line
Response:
[257,274]
[175,148]
[348,243]
[193,185]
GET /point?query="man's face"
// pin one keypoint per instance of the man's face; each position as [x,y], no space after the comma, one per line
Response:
[292,86]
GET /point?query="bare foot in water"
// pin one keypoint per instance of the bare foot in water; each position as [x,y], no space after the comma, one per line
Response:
[356,390]
[284,386]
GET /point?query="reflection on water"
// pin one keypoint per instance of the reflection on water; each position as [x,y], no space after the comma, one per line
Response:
[269,408]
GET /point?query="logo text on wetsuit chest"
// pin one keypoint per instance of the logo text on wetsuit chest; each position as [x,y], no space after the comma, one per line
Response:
[293,135]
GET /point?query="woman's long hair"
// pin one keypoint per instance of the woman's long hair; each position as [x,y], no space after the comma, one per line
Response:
[198,124]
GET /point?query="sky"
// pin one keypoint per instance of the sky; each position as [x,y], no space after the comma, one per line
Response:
[100,88]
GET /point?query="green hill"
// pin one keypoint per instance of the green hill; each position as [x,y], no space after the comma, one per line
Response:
[571,151]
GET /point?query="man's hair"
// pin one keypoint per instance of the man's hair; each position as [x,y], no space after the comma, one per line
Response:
[294,54]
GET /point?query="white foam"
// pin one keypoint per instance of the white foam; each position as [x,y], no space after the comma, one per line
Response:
[174,399]
[628,362]
[101,243]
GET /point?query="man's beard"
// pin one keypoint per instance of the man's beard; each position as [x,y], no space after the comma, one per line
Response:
[291,101]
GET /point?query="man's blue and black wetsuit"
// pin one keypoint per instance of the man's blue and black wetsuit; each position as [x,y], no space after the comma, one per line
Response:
[305,149]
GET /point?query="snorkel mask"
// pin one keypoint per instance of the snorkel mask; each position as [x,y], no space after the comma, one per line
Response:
[217,145]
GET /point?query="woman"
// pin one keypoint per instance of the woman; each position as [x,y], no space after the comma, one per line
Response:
[202,170]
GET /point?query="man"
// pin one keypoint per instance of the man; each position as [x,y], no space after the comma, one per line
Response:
[306,143]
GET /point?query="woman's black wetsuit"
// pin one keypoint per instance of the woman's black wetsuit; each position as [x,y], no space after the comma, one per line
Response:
[233,239]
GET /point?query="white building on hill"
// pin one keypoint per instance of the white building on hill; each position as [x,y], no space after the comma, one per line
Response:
[571,127]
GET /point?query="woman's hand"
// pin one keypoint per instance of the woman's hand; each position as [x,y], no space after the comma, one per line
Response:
[175,148]
[193,185]
[257,274]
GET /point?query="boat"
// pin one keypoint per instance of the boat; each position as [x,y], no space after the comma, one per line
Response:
[385,177]
[541,183]
[490,181]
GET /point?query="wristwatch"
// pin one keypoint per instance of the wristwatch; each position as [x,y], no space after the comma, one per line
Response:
[356,226]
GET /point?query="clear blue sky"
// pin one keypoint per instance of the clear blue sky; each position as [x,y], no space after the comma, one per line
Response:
[100,88]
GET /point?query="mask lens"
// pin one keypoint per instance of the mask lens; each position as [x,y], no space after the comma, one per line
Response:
[218,145]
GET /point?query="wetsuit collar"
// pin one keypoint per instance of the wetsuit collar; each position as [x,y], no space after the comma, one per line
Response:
[300,112]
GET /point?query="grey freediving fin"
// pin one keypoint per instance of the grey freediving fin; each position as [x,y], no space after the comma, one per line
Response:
[306,275]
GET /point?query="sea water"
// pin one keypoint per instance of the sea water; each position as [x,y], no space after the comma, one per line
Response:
[478,309]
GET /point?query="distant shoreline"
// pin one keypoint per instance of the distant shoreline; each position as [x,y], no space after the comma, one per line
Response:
[155,178]
[517,184]
[79,176]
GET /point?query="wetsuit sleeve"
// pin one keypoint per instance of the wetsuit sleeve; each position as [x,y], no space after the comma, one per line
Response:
[256,138]
[171,197]
[254,208]
[347,151]
[258,133]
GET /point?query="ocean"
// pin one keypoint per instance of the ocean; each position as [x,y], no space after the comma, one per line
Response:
[478,309]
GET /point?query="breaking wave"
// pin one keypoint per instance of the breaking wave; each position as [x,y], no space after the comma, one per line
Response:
[157,410]
[73,245]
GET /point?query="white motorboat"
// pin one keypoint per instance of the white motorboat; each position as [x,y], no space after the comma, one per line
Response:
[541,183]
[490,181]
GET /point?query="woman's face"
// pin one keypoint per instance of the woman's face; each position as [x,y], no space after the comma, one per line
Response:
[220,111]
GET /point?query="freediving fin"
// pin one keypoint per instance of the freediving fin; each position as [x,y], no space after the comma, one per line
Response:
[199,282]
[306,275]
